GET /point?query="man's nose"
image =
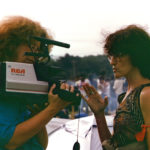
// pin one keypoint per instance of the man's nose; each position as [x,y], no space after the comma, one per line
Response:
[112,60]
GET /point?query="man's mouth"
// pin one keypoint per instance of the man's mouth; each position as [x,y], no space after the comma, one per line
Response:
[29,61]
[114,69]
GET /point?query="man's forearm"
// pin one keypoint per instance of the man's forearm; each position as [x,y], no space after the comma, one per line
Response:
[27,129]
[103,130]
[42,137]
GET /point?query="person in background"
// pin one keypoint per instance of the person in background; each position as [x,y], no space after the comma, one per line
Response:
[93,80]
[20,130]
[128,51]
[104,87]
[84,108]
[113,98]
[119,86]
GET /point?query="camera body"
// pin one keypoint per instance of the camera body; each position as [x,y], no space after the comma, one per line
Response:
[26,82]
[30,83]
[19,81]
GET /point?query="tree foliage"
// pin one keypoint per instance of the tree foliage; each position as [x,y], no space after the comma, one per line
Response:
[74,66]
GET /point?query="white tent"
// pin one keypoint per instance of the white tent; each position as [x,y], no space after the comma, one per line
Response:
[63,133]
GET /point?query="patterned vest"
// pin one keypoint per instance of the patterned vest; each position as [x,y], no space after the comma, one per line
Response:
[128,119]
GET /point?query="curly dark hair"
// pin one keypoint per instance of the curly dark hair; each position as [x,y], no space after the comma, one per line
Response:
[133,41]
[15,31]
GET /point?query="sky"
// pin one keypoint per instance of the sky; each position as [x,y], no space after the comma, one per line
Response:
[81,23]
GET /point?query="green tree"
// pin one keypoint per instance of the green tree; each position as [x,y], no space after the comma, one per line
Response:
[75,66]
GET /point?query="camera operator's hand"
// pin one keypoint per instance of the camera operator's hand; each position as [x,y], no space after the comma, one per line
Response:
[94,100]
[55,101]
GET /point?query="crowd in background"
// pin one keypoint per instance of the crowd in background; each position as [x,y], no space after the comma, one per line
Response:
[106,87]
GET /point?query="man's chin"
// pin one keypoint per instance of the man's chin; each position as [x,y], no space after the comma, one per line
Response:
[117,76]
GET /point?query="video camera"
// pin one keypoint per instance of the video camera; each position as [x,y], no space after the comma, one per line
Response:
[30,83]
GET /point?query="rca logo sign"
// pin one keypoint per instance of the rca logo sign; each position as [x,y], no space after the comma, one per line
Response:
[17,71]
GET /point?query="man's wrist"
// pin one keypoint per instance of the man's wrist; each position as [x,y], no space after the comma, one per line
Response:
[99,115]
[51,110]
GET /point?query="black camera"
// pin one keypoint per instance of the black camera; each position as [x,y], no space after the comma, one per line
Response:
[30,83]
[52,74]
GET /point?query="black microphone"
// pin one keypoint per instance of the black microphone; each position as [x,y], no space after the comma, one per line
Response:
[76,146]
[48,41]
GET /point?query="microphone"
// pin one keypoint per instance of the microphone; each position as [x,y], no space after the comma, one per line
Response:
[48,41]
[76,146]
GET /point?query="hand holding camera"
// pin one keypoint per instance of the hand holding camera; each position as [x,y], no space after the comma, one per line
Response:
[56,100]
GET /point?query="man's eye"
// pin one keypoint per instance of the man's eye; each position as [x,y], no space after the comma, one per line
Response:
[32,46]
[35,49]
